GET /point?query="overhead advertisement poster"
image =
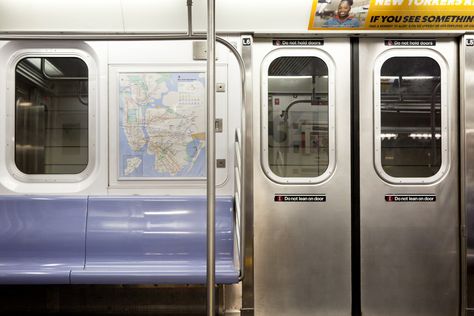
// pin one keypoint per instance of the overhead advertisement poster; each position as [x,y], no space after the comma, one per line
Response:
[392,14]
[162,125]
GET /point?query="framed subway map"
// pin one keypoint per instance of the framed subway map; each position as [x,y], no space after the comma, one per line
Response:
[162,125]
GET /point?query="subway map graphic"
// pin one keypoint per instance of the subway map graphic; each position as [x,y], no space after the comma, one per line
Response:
[162,125]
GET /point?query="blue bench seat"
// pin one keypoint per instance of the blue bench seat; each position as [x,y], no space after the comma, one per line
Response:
[113,240]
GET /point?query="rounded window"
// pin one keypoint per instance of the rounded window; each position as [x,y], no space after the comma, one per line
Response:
[410,118]
[297,118]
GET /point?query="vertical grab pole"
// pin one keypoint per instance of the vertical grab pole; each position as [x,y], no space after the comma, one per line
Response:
[189,4]
[211,153]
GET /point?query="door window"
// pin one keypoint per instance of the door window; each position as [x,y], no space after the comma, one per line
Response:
[410,119]
[297,118]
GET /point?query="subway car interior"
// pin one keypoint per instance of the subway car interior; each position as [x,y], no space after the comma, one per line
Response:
[259,158]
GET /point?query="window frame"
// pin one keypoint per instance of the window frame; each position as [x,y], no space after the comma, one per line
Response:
[299,52]
[445,114]
[12,168]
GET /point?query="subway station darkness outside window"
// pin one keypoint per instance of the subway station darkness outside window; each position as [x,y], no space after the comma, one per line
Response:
[410,96]
[51,115]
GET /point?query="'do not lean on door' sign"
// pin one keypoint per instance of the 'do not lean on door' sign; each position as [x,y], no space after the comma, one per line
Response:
[392,15]
[410,198]
[299,198]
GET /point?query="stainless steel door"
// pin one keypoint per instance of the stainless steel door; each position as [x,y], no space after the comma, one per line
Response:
[467,143]
[302,211]
[409,178]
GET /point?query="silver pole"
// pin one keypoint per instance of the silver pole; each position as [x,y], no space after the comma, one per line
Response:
[211,157]
[189,4]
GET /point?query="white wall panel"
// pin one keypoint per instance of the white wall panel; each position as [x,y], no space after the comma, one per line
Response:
[231,16]
[60,15]
[155,16]
[260,16]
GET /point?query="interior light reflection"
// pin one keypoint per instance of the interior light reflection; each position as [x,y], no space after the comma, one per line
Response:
[408,77]
[51,265]
[166,233]
[388,136]
[424,135]
[175,212]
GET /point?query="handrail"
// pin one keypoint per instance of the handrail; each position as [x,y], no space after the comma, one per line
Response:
[284,113]
[239,196]
[211,158]
[189,4]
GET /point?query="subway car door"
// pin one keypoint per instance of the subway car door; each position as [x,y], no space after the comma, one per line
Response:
[302,211]
[409,195]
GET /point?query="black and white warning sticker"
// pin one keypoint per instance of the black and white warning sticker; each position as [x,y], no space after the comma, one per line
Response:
[300,198]
[298,42]
[410,42]
[410,198]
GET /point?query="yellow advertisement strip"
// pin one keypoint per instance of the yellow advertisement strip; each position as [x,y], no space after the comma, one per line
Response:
[392,14]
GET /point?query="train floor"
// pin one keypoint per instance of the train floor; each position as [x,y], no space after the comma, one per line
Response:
[132,300]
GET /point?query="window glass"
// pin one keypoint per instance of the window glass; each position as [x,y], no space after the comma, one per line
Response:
[410,104]
[298,117]
[51,115]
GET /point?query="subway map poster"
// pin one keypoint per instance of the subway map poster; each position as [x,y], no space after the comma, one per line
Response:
[162,125]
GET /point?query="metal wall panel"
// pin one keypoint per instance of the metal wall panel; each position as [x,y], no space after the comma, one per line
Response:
[467,137]
[409,251]
[248,302]
[302,251]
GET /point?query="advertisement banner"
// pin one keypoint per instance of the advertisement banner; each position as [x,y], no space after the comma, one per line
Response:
[392,14]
